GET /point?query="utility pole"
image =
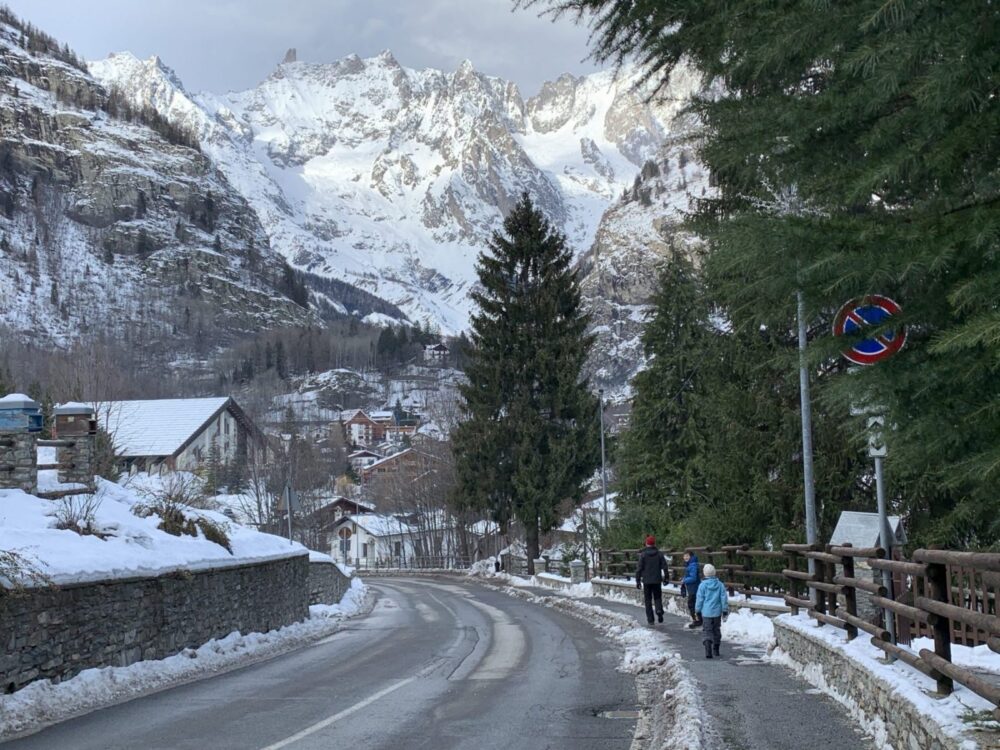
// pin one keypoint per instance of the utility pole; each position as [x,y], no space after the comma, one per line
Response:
[807,446]
[604,472]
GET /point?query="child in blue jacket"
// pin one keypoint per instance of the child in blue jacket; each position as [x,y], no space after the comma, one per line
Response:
[689,587]
[713,605]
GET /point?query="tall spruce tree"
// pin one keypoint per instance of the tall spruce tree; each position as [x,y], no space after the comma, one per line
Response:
[529,440]
[657,455]
[854,150]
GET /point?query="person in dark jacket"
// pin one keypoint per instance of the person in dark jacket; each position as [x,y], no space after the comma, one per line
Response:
[649,576]
[689,586]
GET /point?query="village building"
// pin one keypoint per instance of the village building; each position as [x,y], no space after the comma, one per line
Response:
[179,434]
[361,430]
[436,352]
[406,464]
[369,539]
[362,459]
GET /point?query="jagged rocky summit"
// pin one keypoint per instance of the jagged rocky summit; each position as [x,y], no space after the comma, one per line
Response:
[393,179]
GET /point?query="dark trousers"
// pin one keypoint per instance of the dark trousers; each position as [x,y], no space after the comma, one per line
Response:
[652,592]
[692,598]
[711,632]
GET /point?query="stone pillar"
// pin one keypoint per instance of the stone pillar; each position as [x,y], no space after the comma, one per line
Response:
[576,571]
[20,423]
[75,424]
[541,565]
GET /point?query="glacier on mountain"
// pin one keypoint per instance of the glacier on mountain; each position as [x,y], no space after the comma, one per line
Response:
[394,179]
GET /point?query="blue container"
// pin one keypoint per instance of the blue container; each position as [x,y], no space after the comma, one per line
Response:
[18,413]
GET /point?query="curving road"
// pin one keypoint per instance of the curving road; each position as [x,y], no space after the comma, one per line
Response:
[437,665]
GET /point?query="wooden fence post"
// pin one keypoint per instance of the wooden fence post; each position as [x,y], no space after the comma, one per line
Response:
[793,584]
[819,601]
[937,585]
[851,595]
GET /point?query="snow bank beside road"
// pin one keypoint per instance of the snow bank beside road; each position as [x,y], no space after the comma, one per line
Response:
[43,703]
[122,544]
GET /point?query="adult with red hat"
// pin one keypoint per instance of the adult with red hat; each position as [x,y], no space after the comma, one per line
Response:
[649,576]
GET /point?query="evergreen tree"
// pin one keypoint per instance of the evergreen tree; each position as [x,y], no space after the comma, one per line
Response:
[658,451]
[529,440]
[280,362]
[851,154]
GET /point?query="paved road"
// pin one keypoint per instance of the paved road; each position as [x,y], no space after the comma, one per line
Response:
[438,664]
[754,704]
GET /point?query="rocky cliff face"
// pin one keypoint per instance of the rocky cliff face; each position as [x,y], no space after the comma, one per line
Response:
[619,272]
[393,179]
[107,227]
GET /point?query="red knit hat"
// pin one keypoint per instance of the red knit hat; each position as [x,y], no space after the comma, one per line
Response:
[650,540]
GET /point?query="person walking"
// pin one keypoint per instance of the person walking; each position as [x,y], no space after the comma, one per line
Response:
[713,605]
[649,576]
[689,587]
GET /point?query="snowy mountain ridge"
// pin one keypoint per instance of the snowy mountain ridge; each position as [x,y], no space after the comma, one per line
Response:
[109,227]
[393,179]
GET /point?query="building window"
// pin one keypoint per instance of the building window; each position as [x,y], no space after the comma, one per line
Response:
[398,549]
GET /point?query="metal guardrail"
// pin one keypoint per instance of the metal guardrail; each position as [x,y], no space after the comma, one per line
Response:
[426,562]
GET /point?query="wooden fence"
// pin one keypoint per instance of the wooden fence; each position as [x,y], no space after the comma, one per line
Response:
[946,595]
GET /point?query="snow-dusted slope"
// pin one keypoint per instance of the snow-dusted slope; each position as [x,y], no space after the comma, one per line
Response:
[108,228]
[393,179]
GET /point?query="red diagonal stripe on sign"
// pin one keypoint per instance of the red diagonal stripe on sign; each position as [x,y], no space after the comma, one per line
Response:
[857,319]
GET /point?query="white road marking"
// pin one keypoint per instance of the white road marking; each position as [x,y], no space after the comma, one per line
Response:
[506,649]
[340,715]
[426,613]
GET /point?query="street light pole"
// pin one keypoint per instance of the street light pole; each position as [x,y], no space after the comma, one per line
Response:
[604,472]
[807,444]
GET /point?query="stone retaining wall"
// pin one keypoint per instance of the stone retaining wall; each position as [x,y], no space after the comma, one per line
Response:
[327,585]
[57,632]
[21,454]
[860,690]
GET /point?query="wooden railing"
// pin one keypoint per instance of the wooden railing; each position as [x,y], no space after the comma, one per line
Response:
[947,595]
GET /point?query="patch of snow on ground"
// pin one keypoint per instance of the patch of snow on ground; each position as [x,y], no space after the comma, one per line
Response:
[42,703]
[124,544]
[744,626]
[974,657]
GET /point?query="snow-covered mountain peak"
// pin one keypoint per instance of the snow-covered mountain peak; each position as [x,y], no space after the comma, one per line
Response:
[394,179]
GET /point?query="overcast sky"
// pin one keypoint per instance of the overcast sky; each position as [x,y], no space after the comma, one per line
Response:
[222,45]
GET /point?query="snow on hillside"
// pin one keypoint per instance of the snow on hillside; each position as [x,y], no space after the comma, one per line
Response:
[122,544]
[106,226]
[393,179]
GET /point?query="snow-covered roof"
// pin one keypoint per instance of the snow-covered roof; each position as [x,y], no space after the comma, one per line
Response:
[387,458]
[861,529]
[595,509]
[157,427]
[15,398]
[377,524]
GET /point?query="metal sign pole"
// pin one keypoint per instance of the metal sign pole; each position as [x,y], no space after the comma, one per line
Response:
[807,446]
[877,450]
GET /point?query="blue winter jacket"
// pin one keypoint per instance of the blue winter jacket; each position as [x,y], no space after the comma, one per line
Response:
[691,575]
[712,599]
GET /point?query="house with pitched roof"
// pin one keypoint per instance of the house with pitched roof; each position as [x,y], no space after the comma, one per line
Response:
[179,434]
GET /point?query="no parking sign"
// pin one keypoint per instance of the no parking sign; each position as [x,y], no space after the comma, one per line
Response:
[869,312]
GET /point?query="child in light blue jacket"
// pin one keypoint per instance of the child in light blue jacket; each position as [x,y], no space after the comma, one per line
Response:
[712,604]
